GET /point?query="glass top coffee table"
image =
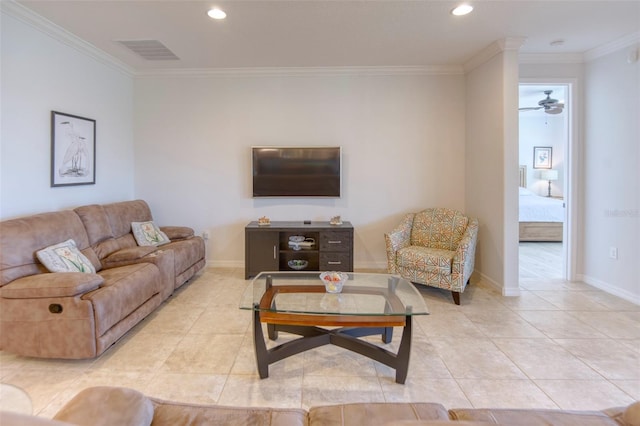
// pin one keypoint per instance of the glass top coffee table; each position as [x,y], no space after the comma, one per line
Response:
[297,303]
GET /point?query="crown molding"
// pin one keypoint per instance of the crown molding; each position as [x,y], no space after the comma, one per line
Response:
[27,16]
[498,46]
[621,43]
[551,58]
[302,71]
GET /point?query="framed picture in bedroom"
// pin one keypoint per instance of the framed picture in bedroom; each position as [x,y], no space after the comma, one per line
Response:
[542,157]
[73,150]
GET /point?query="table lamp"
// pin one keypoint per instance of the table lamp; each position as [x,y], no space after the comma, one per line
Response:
[549,175]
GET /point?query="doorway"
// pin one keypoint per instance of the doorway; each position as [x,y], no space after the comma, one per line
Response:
[545,153]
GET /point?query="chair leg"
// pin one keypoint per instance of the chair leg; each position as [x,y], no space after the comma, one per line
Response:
[456,297]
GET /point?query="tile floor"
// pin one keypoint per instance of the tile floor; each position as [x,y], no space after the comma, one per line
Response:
[558,345]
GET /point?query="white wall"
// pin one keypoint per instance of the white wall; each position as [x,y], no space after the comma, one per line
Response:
[41,74]
[491,153]
[402,138]
[611,176]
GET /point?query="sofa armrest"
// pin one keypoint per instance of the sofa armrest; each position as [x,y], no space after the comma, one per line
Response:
[127,256]
[57,284]
[177,232]
[398,238]
[464,257]
[106,405]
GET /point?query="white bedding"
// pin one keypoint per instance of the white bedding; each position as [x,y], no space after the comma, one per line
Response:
[534,208]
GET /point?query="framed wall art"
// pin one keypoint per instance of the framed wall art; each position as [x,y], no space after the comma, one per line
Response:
[542,157]
[73,150]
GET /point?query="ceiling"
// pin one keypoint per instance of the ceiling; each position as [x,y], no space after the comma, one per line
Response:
[308,33]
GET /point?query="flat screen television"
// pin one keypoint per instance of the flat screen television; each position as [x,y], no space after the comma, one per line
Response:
[284,171]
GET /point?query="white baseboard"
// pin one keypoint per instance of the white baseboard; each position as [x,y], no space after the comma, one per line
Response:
[508,292]
[225,264]
[609,288]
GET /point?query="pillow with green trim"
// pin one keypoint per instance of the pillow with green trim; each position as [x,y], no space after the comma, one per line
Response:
[148,234]
[65,257]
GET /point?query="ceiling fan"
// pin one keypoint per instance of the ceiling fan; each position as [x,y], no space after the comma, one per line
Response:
[550,105]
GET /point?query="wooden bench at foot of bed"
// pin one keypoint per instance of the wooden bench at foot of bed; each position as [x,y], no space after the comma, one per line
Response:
[540,231]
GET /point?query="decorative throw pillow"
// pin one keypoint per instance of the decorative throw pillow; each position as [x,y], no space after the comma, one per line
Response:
[148,234]
[65,257]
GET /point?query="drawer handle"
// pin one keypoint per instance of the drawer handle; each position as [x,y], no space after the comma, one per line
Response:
[334,263]
[335,242]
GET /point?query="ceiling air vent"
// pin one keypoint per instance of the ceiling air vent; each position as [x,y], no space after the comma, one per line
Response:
[151,50]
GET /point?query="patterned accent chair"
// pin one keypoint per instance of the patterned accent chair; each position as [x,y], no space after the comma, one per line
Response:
[435,247]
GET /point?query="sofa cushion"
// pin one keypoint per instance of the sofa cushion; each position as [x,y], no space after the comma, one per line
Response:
[104,405]
[372,413]
[526,417]
[65,257]
[148,234]
[59,284]
[123,213]
[438,228]
[425,259]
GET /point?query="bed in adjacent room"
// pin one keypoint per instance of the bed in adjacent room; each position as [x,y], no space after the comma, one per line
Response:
[541,218]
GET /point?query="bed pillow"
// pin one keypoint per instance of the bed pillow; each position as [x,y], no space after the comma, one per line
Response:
[148,234]
[65,257]
[525,191]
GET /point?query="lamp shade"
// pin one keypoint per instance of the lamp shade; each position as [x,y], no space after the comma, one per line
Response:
[549,174]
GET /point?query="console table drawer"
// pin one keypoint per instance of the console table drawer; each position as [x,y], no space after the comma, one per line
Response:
[335,261]
[335,241]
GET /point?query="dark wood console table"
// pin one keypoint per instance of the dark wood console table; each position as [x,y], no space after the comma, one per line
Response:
[267,247]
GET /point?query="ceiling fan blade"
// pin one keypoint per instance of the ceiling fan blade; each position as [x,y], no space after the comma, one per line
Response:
[530,108]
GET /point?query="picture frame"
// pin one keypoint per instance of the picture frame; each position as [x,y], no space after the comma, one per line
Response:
[73,150]
[542,157]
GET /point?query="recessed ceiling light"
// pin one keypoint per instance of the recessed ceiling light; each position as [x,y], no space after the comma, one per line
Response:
[463,9]
[216,14]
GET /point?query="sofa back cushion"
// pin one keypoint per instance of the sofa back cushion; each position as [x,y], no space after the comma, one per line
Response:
[21,238]
[121,215]
[109,225]
[438,228]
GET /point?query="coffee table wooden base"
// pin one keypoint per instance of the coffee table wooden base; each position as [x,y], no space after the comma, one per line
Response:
[313,336]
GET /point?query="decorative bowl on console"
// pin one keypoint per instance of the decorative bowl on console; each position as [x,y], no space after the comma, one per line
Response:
[298,264]
[333,281]
[296,238]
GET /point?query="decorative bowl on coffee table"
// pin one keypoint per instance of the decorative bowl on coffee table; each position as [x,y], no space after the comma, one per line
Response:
[333,281]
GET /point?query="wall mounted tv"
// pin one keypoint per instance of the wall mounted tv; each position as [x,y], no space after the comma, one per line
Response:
[289,171]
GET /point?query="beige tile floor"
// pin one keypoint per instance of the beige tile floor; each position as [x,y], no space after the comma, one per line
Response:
[566,345]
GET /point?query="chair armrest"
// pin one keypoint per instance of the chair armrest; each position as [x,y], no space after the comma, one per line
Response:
[464,258]
[57,284]
[398,238]
[177,232]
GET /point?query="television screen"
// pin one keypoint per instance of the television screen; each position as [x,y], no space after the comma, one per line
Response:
[296,171]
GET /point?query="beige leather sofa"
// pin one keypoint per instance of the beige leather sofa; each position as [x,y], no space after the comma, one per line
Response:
[104,406]
[78,315]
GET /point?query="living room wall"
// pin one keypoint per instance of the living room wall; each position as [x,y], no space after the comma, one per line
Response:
[402,135]
[611,177]
[41,74]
